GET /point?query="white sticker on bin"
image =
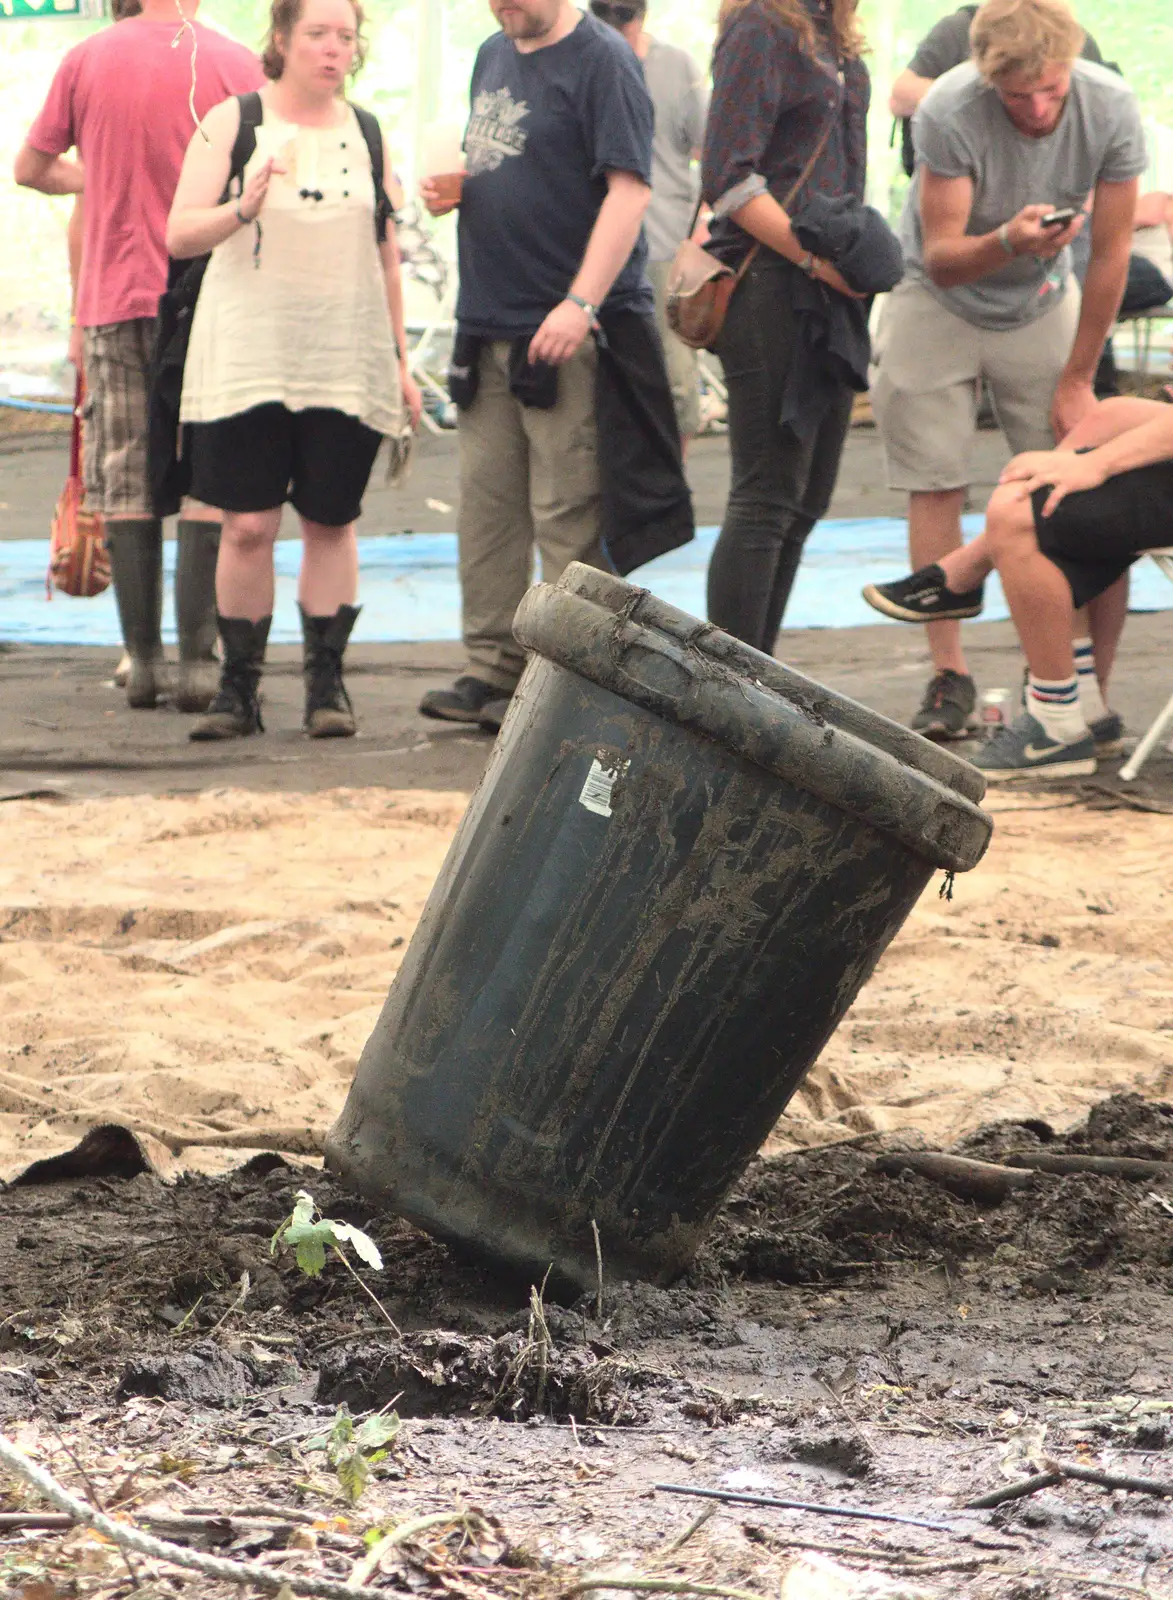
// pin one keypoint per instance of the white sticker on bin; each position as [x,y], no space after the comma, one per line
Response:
[600,781]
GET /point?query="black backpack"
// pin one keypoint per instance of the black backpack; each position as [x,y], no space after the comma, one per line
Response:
[907,153]
[168,466]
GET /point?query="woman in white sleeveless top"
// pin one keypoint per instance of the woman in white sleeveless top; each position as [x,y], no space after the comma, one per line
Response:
[296,367]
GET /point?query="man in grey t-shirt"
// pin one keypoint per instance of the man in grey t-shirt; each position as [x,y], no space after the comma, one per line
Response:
[946,45]
[1009,147]
[680,101]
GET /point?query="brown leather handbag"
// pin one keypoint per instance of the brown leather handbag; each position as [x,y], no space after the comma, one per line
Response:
[79,563]
[700,286]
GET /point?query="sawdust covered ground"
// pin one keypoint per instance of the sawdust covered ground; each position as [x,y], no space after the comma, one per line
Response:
[207,969]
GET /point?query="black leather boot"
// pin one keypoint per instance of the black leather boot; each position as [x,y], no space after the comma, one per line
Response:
[136,561]
[235,711]
[195,613]
[328,712]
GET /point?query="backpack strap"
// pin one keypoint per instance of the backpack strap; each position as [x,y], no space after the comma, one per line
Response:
[373,137]
[252,114]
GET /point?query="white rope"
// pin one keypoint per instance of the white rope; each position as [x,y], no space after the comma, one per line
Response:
[146,1544]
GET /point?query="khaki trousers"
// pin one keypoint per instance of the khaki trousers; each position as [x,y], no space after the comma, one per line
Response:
[527,477]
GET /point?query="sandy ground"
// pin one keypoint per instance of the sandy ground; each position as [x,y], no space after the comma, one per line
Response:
[207,968]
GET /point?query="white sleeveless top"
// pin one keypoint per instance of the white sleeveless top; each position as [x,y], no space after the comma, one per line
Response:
[301,315]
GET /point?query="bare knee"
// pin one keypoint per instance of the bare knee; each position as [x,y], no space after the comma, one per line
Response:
[251,533]
[1010,523]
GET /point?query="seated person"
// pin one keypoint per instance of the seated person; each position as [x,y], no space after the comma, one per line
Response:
[1061,529]
[1152,244]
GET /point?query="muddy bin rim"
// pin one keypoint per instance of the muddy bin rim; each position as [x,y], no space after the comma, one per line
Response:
[618,596]
[755,722]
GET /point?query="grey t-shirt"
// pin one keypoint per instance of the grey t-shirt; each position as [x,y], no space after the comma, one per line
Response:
[680,101]
[961,130]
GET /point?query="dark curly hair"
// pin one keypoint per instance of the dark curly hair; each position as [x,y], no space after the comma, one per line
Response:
[282,18]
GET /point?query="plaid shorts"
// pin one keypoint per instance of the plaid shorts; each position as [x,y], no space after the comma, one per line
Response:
[117,368]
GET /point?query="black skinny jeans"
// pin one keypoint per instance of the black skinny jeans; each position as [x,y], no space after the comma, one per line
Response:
[779,488]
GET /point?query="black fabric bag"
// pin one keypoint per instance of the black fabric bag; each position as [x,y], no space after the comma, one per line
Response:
[168,453]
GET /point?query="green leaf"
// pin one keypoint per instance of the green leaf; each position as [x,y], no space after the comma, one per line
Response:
[375,1432]
[309,1245]
[352,1475]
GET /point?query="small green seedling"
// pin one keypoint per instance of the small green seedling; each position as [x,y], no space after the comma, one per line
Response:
[353,1449]
[312,1235]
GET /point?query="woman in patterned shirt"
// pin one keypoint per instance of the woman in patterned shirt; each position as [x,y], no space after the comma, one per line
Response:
[788,84]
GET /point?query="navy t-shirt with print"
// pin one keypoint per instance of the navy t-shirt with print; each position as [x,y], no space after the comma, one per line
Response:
[545,129]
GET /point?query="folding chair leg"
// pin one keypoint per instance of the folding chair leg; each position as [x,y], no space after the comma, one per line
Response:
[1148,744]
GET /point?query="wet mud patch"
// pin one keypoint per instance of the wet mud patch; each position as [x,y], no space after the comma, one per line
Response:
[847,1336]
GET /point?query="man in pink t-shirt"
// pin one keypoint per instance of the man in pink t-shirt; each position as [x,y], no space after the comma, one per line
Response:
[123,101]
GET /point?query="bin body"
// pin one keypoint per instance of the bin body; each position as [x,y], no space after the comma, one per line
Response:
[639,943]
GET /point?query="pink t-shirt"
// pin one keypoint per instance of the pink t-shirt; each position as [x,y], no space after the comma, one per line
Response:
[121,97]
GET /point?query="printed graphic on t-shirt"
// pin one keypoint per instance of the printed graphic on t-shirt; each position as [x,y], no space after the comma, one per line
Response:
[494,130]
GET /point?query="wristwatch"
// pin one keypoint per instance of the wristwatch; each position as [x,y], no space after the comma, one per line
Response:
[1004,240]
[585,305]
[809,264]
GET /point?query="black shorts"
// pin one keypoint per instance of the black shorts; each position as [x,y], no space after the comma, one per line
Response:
[319,460]
[1095,536]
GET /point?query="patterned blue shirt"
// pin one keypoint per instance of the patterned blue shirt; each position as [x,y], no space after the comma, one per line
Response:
[771,102]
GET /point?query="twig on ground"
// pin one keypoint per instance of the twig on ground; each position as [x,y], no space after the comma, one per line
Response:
[694,1527]
[619,1580]
[370,1294]
[369,1564]
[599,1266]
[1132,1167]
[735,1497]
[14,1521]
[93,1494]
[1110,1480]
[127,1537]
[1014,1491]
[241,1296]
[983,1181]
[866,1552]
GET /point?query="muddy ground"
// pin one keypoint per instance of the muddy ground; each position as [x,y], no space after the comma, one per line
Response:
[846,1336]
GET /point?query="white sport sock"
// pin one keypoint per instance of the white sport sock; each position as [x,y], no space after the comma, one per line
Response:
[1055,703]
[1090,699]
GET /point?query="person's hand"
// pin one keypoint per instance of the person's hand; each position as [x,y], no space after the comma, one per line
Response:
[413,397]
[75,347]
[834,279]
[1029,238]
[252,197]
[560,335]
[1062,471]
[430,195]
[1071,402]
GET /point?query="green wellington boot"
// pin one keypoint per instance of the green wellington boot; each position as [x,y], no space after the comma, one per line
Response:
[136,561]
[195,614]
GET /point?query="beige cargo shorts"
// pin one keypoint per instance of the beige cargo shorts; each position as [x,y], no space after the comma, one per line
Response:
[926,372]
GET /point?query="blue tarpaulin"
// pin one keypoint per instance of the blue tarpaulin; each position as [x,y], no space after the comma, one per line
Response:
[408,586]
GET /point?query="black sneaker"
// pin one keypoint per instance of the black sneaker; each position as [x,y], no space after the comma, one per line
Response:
[948,708]
[465,701]
[924,597]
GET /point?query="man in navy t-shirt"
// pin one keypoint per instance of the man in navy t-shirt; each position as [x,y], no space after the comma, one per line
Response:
[558,157]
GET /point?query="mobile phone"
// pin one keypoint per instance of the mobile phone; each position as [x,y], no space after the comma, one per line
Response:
[1059,219]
